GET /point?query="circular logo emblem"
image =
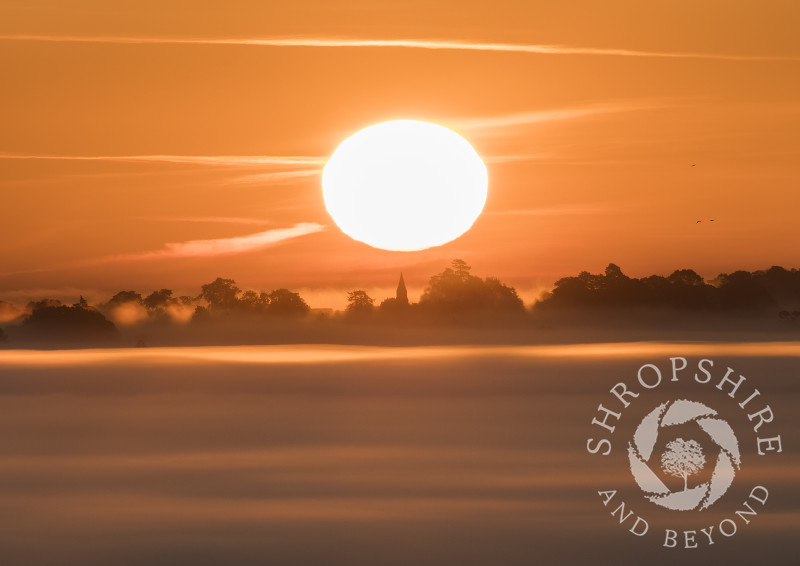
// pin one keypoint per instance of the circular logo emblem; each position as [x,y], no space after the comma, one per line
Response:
[683,458]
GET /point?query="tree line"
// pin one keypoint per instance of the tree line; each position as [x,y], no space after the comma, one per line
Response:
[739,291]
[454,294]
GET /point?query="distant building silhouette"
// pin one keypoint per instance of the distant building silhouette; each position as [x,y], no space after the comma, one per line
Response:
[402,293]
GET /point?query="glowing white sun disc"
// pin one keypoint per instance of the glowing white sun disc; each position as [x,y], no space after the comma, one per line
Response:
[404,185]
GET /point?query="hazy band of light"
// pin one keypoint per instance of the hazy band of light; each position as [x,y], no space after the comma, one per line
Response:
[398,43]
[304,354]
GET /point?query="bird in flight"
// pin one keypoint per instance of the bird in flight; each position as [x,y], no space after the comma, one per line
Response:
[698,222]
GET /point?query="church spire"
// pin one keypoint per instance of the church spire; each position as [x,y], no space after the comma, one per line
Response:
[402,294]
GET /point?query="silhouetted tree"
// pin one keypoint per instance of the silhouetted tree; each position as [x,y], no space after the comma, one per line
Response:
[200,314]
[253,302]
[392,306]
[286,303]
[65,323]
[359,303]
[34,305]
[122,298]
[686,278]
[159,300]
[456,290]
[460,269]
[221,294]
[782,284]
[81,304]
[684,288]
[742,290]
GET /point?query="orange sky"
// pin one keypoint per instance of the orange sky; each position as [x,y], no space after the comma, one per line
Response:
[590,151]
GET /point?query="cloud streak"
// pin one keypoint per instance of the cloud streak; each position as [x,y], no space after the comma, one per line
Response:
[493,124]
[224,246]
[553,211]
[212,160]
[450,45]
[275,176]
[504,121]
[195,248]
[208,219]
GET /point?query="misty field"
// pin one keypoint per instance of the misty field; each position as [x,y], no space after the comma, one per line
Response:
[307,455]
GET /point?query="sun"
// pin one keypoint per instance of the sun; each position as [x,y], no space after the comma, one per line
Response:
[404,185]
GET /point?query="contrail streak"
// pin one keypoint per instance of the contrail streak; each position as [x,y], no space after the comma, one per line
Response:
[451,45]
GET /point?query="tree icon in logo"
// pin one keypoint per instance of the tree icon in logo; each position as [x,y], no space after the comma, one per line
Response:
[682,459]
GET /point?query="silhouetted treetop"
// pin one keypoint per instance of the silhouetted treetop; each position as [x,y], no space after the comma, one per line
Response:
[456,290]
[359,303]
[686,277]
[159,299]
[254,302]
[66,323]
[33,305]
[684,288]
[122,298]
[449,294]
[220,294]
[286,303]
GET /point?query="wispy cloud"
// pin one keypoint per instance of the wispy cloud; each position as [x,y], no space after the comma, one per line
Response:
[194,248]
[275,176]
[224,246]
[304,166]
[553,211]
[453,45]
[516,158]
[208,219]
[502,121]
[300,164]
[213,160]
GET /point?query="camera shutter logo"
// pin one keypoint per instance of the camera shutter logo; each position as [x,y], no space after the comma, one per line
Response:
[683,458]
